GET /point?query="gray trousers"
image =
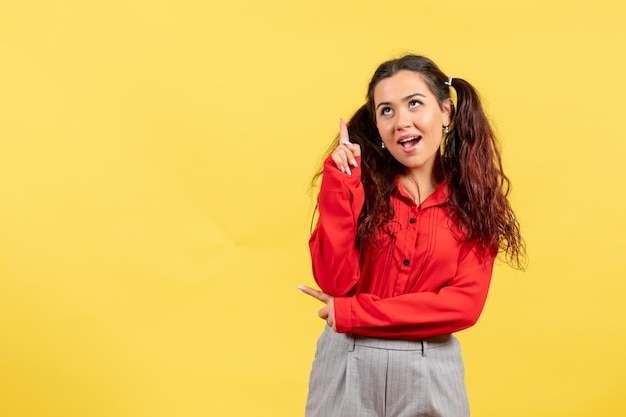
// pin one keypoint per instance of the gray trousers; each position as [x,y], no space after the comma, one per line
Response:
[355,376]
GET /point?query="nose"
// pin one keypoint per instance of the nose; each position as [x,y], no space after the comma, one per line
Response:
[403,120]
[401,125]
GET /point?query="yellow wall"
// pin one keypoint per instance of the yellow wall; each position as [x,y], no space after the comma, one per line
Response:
[154,160]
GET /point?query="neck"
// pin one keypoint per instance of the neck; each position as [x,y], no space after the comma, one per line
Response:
[419,185]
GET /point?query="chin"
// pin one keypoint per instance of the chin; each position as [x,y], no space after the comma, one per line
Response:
[412,164]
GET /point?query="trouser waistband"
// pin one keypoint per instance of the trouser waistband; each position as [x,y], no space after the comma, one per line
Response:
[421,345]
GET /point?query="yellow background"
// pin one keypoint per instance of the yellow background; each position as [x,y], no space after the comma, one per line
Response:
[154,215]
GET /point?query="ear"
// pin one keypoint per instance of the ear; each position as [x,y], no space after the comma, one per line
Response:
[446,109]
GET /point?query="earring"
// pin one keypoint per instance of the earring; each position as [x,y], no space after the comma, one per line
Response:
[382,144]
[445,129]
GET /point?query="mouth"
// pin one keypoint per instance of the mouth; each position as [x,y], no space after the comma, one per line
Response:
[410,141]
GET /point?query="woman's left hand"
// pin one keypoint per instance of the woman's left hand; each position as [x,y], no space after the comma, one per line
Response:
[328,311]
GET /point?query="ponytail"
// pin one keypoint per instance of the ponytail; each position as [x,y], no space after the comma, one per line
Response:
[478,186]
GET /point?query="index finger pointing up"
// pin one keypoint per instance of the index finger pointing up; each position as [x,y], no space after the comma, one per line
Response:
[343,132]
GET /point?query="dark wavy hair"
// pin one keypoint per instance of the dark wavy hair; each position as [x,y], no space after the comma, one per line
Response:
[469,162]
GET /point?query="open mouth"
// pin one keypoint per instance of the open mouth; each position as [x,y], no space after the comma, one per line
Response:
[408,142]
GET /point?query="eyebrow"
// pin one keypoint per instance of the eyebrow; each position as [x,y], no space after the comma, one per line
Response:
[407,98]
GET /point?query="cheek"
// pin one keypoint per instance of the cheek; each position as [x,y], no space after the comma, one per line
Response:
[384,130]
[433,121]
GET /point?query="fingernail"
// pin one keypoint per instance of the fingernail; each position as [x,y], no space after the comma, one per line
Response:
[354,163]
[302,287]
[342,169]
[348,171]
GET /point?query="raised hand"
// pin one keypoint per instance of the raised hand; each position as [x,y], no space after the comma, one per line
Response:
[346,152]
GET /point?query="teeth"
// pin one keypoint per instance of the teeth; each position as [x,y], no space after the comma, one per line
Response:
[409,139]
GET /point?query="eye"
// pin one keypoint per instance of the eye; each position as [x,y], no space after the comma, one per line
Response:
[385,111]
[414,103]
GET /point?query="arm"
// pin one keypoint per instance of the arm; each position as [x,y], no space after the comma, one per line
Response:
[334,256]
[454,307]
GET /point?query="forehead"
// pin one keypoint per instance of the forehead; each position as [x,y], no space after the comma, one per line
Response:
[402,84]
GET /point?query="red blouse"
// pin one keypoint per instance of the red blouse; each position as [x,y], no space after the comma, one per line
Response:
[425,283]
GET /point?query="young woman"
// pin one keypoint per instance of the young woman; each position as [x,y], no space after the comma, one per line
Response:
[412,213]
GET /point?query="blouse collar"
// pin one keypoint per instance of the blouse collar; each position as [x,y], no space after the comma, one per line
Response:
[438,197]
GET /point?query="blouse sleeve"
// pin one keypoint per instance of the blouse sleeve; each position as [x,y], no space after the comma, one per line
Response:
[334,257]
[454,307]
